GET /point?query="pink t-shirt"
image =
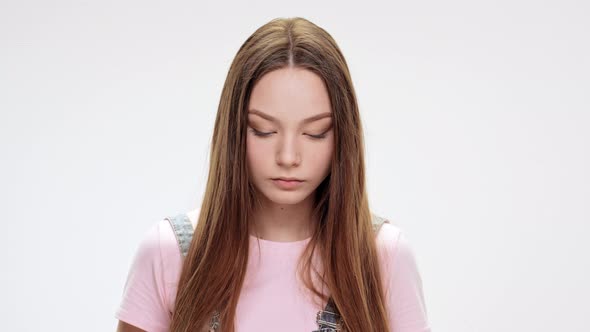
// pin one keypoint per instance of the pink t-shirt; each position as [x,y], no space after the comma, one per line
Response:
[272,295]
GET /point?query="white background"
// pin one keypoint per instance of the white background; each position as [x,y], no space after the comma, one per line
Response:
[476,116]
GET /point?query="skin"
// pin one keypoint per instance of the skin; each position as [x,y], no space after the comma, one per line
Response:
[289,96]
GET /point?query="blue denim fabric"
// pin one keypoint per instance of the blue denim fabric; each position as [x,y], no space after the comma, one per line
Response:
[183,230]
[328,320]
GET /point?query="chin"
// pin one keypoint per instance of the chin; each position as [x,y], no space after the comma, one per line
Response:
[285,197]
[286,201]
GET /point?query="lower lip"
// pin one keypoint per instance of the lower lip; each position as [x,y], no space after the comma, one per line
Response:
[287,184]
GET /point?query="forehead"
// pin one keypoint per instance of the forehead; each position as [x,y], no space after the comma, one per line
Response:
[290,95]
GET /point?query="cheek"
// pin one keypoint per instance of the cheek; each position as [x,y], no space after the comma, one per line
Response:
[255,154]
[321,156]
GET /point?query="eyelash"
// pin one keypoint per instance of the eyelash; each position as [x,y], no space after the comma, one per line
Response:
[261,134]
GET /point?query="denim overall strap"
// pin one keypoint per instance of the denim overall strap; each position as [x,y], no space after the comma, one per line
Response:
[329,319]
[183,231]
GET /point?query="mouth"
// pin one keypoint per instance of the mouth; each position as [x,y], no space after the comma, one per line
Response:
[287,183]
[289,179]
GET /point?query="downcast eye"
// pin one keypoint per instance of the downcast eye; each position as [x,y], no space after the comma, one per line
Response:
[317,136]
[259,133]
[322,135]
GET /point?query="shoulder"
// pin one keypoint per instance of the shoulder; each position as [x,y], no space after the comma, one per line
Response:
[388,237]
[169,251]
[167,239]
[168,247]
[395,251]
[158,251]
[402,280]
[156,264]
[158,240]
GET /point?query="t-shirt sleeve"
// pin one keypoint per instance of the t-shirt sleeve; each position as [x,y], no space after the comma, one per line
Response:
[407,308]
[143,303]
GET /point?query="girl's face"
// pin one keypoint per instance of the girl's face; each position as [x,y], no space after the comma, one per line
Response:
[289,134]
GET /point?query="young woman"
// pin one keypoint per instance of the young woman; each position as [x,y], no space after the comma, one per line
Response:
[284,239]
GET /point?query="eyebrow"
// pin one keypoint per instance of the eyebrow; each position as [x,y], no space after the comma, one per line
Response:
[308,120]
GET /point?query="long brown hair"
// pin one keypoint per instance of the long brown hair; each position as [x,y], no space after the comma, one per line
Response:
[214,269]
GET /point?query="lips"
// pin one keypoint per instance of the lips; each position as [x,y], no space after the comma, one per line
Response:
[288,179]
[288,183]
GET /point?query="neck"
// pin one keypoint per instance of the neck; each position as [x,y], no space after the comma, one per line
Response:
[283,222]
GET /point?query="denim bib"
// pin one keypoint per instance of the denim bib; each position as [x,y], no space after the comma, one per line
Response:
[328,319]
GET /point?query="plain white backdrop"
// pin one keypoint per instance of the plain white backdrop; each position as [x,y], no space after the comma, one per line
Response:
[476,116]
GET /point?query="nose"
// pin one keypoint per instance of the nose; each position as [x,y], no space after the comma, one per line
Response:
[288,153]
